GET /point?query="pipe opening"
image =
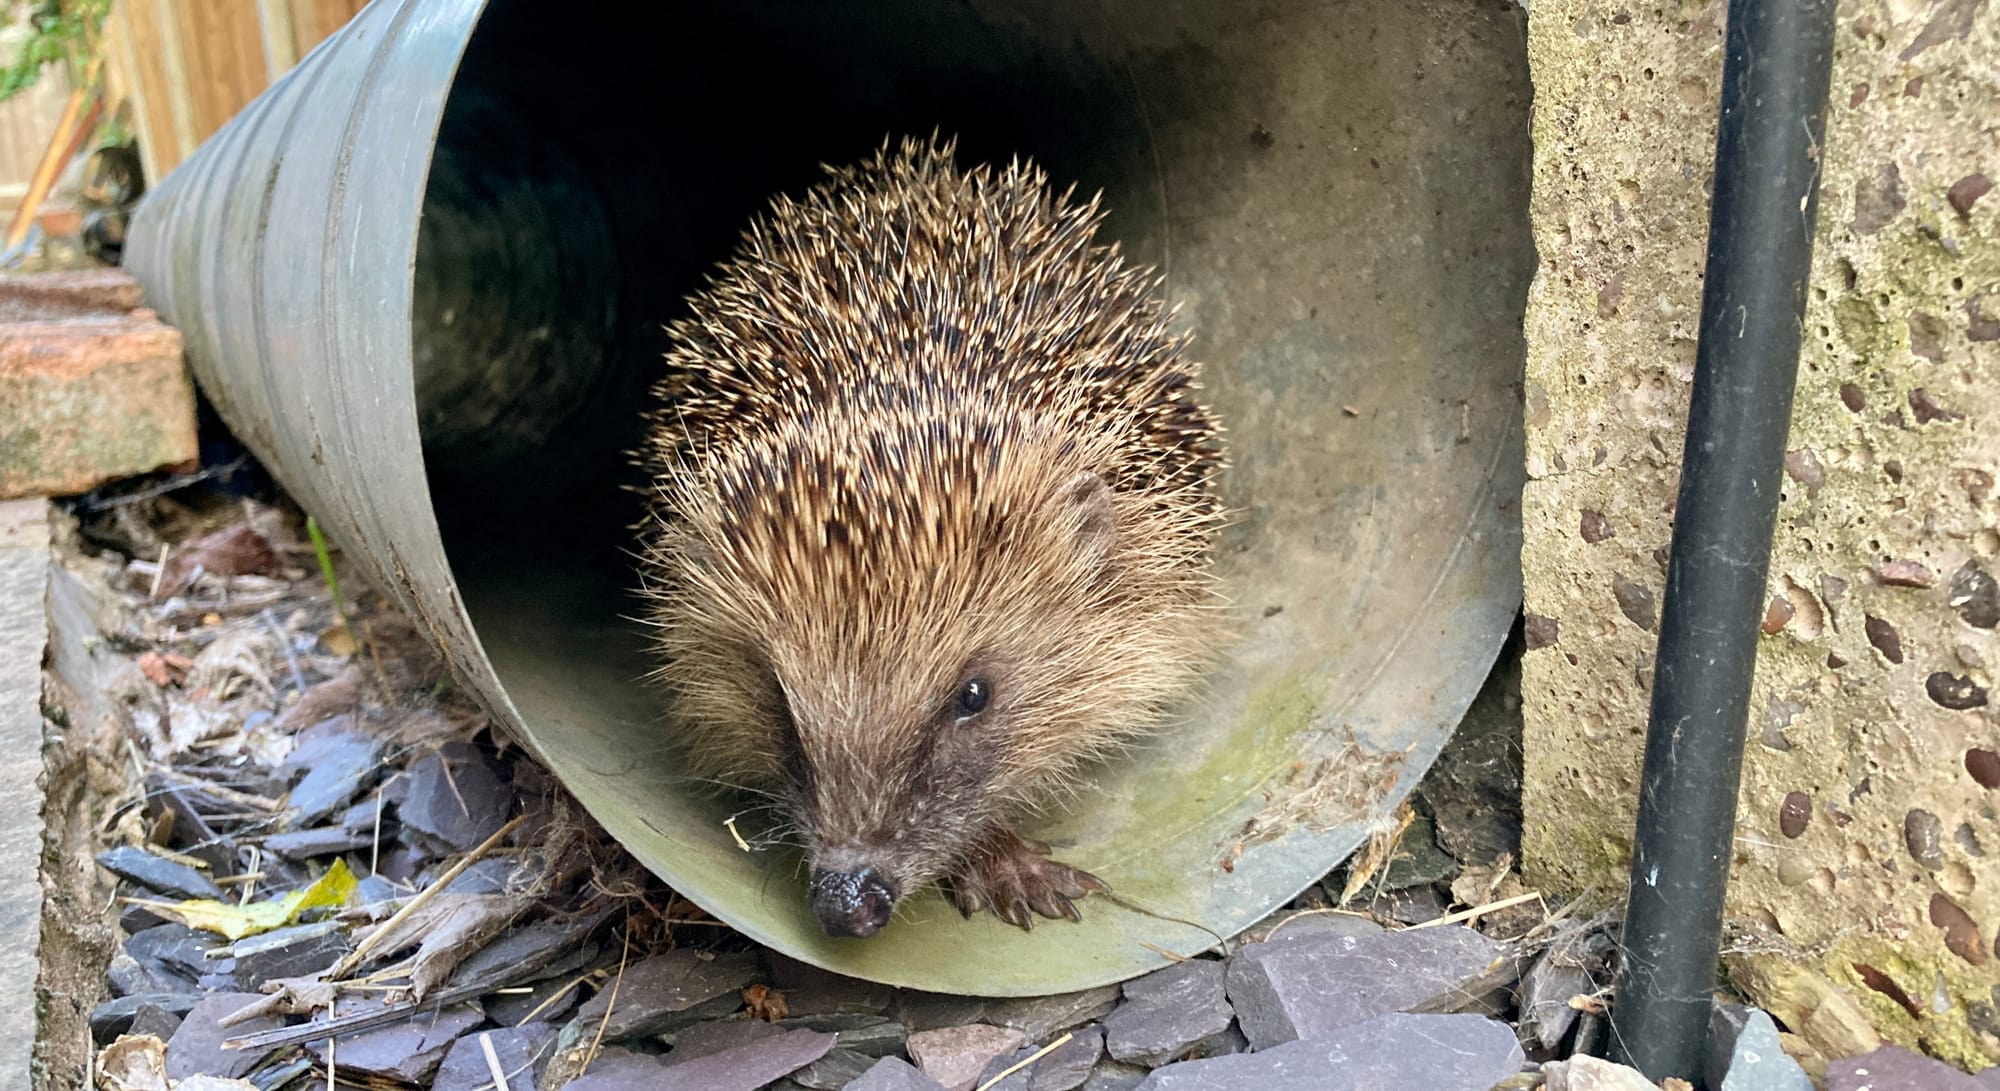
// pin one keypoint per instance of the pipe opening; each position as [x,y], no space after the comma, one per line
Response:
[1339,198]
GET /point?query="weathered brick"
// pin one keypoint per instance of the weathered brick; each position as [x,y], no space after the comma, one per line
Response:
[70,293]
[92,386]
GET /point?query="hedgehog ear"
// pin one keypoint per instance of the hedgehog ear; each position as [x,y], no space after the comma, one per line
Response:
[1084,505]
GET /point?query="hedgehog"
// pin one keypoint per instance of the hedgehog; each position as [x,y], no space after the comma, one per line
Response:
[932,504]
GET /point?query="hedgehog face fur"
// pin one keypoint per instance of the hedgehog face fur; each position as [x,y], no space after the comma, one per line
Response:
[932,509]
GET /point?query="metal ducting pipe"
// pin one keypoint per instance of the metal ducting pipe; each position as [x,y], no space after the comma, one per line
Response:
[423,277]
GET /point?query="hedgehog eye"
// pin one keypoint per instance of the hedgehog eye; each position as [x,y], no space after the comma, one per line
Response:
[973,697]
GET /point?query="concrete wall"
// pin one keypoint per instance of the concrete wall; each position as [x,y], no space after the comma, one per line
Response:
[1867,877]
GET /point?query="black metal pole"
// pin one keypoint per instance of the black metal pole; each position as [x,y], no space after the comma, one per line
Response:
[1767,165]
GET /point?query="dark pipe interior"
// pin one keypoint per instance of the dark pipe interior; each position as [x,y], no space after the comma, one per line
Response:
[568,217]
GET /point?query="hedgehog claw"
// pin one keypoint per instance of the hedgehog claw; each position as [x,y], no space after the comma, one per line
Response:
[1016,913]
[968,900]
[1014,878]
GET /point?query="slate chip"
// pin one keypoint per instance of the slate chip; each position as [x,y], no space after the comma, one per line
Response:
[116,1016]
[322,841]
[217,982]
[834,1071]
[523,1051]
[810,990]
[702,1039]
[374,889]
[1397,1050]
[1063,1068]
[746,1066]
[138,918]
[493,875]
[196,1047]
[127,976]
[178,950]
[1414,905]
[933,1011]
[955,1056]
[1044,1017]
[1168,1012]
[1893,1068]
[1110,1075]
[338,759]
[1417,860]
[456,797]
[617,1069]
[156,1021]
[1290,926]
[1286,991]
[295,951]
[1546,990]
[157,873]
[509,1008]
[559,947]
[1745,1054]
[1068,1065]
[409,1051]
[877,1038]
[403,864]
[1016,1080]
[364,817]
[653,993]
[894,1074]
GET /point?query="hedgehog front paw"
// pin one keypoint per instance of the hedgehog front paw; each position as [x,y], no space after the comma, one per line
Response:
[1016,880]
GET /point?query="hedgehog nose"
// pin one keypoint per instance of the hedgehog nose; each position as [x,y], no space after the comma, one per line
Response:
[851,903]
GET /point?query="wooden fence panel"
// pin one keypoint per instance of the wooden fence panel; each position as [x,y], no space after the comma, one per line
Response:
[183,68]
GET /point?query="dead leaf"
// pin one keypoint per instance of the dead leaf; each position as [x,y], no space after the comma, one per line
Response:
[323,701]
[338,642]
[459,936]
[1481,885]
[155,670]
[234,658]
[1590,1004]
[288,996]
[164,670]
[766,1003]
[193,720]
[1376,854]
[432,916]
[232,551]
[133,1063]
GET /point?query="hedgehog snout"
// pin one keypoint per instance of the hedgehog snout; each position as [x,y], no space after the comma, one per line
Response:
[852,903]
